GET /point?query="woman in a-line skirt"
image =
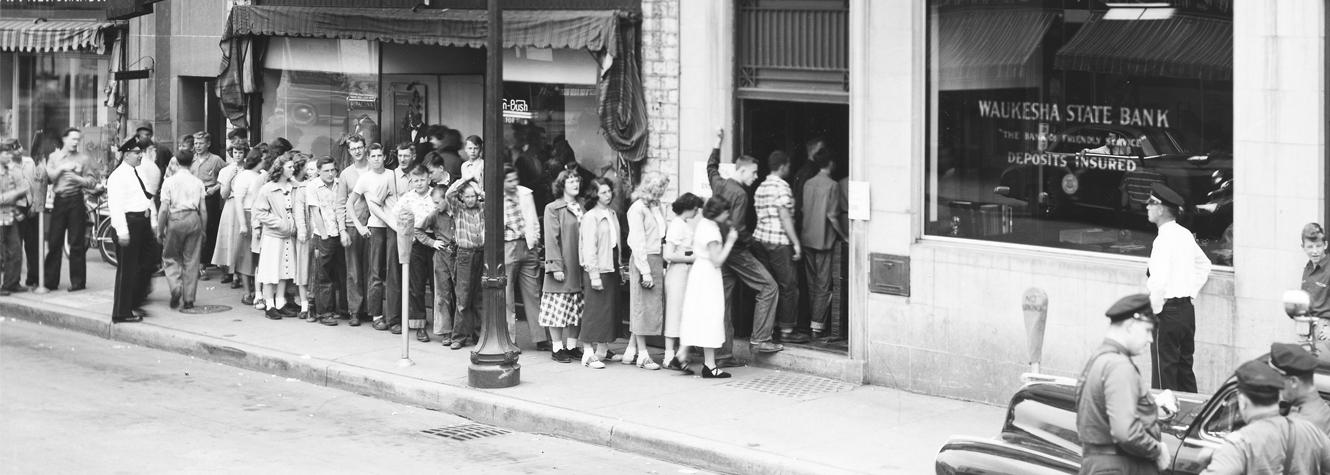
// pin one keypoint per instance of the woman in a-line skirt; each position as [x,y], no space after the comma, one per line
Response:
[561,302]
[703,322]
[277,266]
[228,232]
[646,278]
[599,253]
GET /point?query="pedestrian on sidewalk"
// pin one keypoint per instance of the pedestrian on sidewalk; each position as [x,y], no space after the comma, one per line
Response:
[1178,268]
[13,189]
[742,266]
[414,209]
[776,242]
[678,251]
[181,227]
[372,228]
[598,240]
[133,217]
[379,188]
[228,230]
[243,259]
[277,263]
[207,166]
[307,169]
[463,205]
[29,207]
[270,155]
[72,175]
[646,277]
[355,242]
[821,230]
[521,256]
[1268,442]
[437,233]
[1115,414]
[327,233]
[703,320]
[561,302]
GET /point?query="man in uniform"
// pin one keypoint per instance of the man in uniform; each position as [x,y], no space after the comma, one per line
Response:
[1269,443]
[1177,271]
[1115,416]
[133,217]
[1299,368]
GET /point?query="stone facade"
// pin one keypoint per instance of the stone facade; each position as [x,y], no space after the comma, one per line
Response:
[660,78]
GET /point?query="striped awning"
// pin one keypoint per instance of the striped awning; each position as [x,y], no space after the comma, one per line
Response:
[988,44]
[1183,46]
[52,36]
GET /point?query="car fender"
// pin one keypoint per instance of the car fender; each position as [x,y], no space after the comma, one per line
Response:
[976,455]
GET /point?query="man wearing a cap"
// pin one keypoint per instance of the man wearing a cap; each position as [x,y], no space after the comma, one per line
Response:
[134,218]
[1268,443]
[1299,368]
[1115,416]
[1177,270]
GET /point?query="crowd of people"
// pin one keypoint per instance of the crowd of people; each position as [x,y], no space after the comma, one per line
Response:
[300,238]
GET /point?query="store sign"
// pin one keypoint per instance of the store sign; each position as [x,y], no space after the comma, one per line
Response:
[1074,113]
[516,111]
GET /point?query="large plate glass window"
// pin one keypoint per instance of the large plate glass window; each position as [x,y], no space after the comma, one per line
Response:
[318,91]
[1049,121]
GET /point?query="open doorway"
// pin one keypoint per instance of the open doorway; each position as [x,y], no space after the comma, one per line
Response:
[767,126]
[199,109]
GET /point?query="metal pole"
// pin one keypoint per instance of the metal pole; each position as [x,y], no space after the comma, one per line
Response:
[494,362]
[41,248]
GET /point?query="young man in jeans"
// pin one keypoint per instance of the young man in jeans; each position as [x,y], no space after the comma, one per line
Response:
[329,228]
[777,243]
[12,189]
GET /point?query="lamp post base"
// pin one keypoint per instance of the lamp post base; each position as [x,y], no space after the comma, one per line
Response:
[492,376]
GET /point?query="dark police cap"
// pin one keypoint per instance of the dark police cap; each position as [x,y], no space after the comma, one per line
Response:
[1129,306]
[132,145]
[1166,195]
[1293,360]
[1257,377]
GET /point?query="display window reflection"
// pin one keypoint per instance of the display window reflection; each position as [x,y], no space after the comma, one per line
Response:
[317,92]
[1049,121]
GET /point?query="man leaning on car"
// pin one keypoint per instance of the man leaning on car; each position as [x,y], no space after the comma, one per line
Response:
[1299,369]
[1115,414]
[1269,443]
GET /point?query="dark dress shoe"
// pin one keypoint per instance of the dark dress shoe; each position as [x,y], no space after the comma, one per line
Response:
[187,305]
[226,279]
[355,321]
[380,324]
[272,314]
[544,346]
[175,301]
[396,329]
[457,344]
[17,289]
[713,373]
[287,312]
[329,320]
[4,293]
[422,336]
[794,337]
[576,353]
[76,288]
[561,356]
[132,318]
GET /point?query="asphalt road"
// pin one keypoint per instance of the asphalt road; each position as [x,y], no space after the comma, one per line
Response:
[71,403]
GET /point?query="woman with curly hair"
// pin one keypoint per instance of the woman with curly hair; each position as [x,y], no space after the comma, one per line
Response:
[243,258]
[228,228]
[273,209]
[598,249]
[646,278]
[561,298]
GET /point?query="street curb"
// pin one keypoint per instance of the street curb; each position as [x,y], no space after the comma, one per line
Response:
[484,406]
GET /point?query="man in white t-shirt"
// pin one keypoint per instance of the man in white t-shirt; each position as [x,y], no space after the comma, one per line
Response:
[355,238]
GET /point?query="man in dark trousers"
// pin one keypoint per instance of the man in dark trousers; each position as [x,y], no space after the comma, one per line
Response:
[1269,442]
[1115,417]
[1299,368]
[133,217]
[71,174]
[741,265]
[1177,271]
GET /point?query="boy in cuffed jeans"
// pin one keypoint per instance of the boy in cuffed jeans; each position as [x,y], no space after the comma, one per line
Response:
[437,233]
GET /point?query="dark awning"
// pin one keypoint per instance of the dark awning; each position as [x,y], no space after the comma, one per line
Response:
[1184,46]
[987,44]
[52,36]
[594,30]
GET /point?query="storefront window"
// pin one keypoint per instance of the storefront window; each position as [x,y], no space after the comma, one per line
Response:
[556,112]
[53,92]
[318,91]
[1049,121]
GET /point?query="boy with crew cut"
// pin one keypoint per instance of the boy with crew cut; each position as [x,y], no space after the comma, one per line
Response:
[328,227]
[183,219]
[414,209]
[437,233]
[464,207]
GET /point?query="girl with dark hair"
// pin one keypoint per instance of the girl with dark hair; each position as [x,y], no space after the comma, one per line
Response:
[307,170]
[228,230]
[242,259]
[277,261]
[562,302]
[678,251]
[703,319]
[598,249]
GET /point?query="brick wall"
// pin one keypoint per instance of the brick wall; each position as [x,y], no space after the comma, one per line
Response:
[660,78]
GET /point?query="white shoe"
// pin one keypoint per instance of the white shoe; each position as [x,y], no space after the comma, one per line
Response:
[591,361]
[645,362]
[628,357]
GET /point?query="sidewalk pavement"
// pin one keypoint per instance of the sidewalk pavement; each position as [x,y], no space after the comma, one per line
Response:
[759,421]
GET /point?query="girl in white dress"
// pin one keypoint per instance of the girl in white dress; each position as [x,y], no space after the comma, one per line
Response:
[678,251]
[277,264]
[703,322]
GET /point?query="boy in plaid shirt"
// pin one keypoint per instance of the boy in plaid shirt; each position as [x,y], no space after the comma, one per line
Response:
[468,216]
[777,243]
[12,189]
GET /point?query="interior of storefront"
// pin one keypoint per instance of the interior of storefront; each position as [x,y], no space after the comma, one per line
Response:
[1051,134]
[51,92]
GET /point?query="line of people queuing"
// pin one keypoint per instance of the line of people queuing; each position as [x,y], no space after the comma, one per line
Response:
[306,240]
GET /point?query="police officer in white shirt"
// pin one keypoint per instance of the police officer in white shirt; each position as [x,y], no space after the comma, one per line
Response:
[1178,269]
[134,218]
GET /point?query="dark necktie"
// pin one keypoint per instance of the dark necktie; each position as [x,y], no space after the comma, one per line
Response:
[141,187]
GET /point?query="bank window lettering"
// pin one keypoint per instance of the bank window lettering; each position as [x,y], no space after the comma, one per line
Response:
[1051,120]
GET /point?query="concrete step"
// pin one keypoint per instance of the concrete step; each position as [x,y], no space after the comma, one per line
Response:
[826,364]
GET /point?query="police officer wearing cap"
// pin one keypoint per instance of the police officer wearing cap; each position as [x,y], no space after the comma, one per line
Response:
[1177,271]
[1115,414]
[1299,368]
[134,218]
[1268,443]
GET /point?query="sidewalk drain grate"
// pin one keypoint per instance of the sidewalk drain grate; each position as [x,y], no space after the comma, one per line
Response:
[201,309]
[467,432]
[791,385]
